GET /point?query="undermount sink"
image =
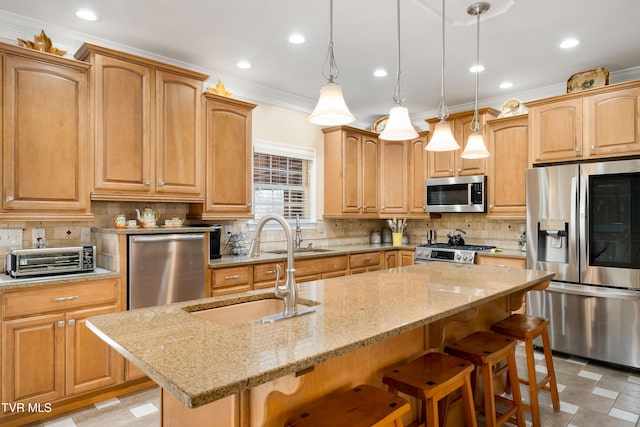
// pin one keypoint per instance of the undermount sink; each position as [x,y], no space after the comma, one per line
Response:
[267,310]
[301,250]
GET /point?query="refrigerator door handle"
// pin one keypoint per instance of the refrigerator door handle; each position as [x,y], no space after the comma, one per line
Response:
[592,291]
[167,238]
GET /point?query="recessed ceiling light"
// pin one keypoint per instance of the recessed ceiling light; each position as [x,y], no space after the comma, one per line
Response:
[244,65]
[569,43]
[380,72]
[296,38]
[506,85]
[86,14]
[476,69]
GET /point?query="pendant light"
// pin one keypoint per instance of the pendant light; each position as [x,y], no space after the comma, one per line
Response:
[476,148]
[442,139]
[331,110]
[399,127]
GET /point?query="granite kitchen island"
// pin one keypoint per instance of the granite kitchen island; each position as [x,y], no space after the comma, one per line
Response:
[254,374]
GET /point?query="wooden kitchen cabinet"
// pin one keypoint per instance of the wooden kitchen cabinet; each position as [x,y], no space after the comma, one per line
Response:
[368,261]
[394,178]
[390,259]
[321,268]
[405,257]
[264,275]
[229,159]
[450,163]
[147,120]
[52,355]
[350,173]
[418,173]
[45,136]
[229,280]
[507,141]
[500,261]
[595,123]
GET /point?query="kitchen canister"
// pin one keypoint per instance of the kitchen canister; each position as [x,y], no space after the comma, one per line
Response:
[397,239]
[375,237]
[386,235]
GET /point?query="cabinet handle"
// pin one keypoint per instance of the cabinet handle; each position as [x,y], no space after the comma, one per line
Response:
[147,183]
[491,206]
[249,205]
[236,276]
[9,198]
[60,324]
[270,272]
[450,170]
[69,298]
[593,147]
[367,261]
[578,149]
[71,322]
[161,184]
[459,170]
[499,265]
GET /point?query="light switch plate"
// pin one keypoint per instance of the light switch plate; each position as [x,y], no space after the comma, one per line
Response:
[38,233]
[85,235]
[228,230]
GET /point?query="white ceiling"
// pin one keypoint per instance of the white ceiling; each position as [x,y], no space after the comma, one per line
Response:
[519,42]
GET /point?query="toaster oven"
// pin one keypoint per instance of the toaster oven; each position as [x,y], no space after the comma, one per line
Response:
[49,261]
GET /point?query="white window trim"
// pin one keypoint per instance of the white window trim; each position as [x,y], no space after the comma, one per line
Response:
[288,150]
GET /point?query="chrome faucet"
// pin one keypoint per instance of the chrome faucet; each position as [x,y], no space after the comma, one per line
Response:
[298,232]
[289,292]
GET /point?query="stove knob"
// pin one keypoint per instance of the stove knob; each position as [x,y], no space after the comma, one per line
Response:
[458,257]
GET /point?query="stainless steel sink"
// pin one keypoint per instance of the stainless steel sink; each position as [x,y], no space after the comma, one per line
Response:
[267,310]
[301,250]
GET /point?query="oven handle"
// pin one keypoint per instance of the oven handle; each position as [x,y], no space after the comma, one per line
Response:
[593,291]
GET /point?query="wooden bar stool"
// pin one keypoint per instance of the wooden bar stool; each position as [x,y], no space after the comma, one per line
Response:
[432,378]
[362,406]
[486,350]
[528,328]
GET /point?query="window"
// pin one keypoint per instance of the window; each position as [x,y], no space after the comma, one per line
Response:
[282,178]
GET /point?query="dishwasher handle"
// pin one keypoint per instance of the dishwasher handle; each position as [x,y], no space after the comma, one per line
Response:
[593,291]
[167,238]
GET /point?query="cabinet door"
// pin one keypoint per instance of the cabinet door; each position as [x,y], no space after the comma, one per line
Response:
[351,173]
[33,359]
[123,157]
[508,144]
[394,189]
[462,133]
[441,163]
[612,123]
[555,131]
[369,170]
[406,258]
[390,259]
[90,362]
[417,175]
[178,135]
[229,158]
[45,137]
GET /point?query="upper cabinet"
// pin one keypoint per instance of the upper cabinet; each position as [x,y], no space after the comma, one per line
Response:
[45,139]
[350,173]
[229,159]
[147,128]
[595,123]
[450,163]
[507,141]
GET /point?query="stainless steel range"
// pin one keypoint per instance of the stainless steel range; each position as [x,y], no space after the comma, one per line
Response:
[465,254]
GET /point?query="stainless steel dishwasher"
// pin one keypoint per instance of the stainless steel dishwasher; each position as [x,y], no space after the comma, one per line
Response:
[165,268]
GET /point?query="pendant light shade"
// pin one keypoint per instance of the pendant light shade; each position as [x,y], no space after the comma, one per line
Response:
[476,148]
[331,110]
[442,138]
[399,127]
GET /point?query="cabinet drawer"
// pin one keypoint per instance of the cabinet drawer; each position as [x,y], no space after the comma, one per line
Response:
[368,259]
[264,272]
[231,276]
[320,265]
[63,297]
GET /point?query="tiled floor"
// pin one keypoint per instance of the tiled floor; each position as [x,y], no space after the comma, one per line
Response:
[591,395]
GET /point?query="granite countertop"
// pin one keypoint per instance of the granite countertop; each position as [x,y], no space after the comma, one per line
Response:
[161,229]
[8,283]
[199,361]
[504,253]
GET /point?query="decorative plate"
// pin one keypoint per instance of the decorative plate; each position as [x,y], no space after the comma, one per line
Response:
[512,107]
[379,125]
[591,79]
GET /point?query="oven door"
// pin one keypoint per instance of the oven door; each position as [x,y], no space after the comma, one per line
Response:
[610,224]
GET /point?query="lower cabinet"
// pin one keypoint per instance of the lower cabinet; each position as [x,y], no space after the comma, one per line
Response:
[368,261]
[230,280]
[500,261]
[48,353]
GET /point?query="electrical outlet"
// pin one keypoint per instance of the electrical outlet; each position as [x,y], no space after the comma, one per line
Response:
[228,230]
[11,238]
[37,237]
[85,235]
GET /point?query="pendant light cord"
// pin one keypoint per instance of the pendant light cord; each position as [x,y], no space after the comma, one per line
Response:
[330,68]
[398,97]
[442,107]
[475,123]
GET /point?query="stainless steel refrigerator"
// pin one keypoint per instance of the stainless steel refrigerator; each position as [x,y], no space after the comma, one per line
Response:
[165,268]
[583,224]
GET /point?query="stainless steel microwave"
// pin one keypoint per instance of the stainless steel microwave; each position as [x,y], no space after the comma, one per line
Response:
[457,194]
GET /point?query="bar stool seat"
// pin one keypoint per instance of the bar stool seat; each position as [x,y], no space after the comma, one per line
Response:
[362,406]
[486,350]
[528,328]
[431,378]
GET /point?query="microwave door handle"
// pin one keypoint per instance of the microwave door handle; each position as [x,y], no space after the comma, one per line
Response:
[469,192]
